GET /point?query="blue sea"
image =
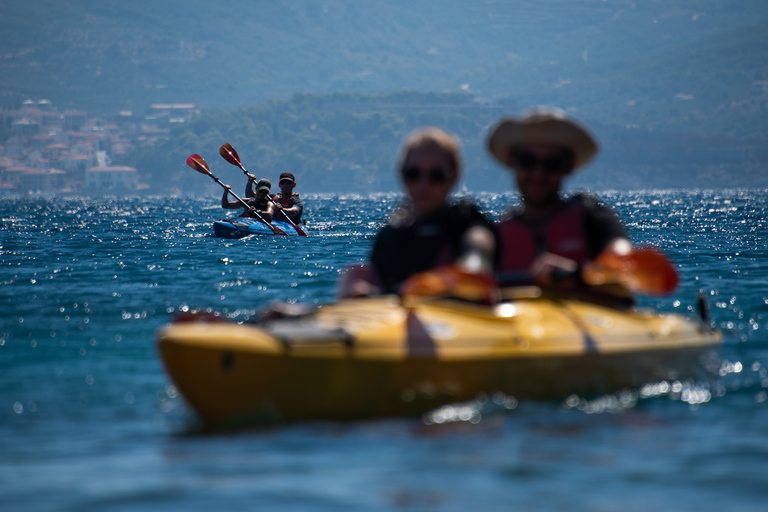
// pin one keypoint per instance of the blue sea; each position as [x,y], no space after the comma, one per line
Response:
[89,420]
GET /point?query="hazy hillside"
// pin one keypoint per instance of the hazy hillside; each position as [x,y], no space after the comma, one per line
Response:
[346,142]
[674,63]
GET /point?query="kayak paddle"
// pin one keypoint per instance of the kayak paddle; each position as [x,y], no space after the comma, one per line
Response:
[645,270]
[231,156]
[451,281]
[199,164]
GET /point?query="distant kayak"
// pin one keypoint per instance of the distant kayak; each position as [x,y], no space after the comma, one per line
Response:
[242,226]
[374,357]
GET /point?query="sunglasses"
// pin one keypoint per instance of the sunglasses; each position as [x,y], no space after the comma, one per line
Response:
[435,175]
[555,163]
[285,182]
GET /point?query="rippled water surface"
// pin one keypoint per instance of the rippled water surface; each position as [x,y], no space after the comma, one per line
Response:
[89,420]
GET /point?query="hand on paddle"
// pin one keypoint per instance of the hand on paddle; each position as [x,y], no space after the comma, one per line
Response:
[645,270]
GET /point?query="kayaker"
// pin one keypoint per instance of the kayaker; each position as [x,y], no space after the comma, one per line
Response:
[427,232]
[551,234]
[287,202]
[258,199]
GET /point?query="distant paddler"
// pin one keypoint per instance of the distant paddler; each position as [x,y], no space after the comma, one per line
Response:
[294,208]
[258,200]
[288,204]
[199,164]
[551,235]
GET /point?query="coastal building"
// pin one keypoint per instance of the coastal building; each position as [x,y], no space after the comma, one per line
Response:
[42,181]
[22,179]
[47,150]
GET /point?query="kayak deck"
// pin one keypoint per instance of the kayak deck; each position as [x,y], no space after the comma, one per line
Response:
[375,357]
[241,227]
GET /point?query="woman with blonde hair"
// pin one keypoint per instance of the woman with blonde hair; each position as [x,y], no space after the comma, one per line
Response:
[428,232]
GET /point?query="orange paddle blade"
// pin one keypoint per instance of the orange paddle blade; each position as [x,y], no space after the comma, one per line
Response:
[451,281]
[644,270]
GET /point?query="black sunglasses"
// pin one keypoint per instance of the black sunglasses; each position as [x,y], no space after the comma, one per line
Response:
[558,163]
[283,182]
[435,175]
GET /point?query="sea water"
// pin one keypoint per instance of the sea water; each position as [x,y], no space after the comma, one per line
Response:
[89,420]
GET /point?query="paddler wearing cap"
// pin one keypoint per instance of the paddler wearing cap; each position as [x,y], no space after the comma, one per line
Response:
[258,199]
[287,202]
[550,234]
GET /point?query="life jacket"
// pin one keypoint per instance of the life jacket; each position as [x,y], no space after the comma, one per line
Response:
[407,246]
[288,202]
[259,205]
[285,202]
[564,235]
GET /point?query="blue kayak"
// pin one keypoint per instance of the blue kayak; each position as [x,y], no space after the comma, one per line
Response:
[242,226]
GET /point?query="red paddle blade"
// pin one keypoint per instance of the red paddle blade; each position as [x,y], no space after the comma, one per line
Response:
[198,163]
[229,154]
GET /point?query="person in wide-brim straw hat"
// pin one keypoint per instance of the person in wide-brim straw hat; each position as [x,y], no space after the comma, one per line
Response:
[542,127]
[550,233]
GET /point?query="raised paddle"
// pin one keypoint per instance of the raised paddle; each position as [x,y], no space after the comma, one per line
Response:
[231,156]
[199,164]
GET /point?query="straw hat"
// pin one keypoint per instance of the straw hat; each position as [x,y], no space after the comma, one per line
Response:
[542,126]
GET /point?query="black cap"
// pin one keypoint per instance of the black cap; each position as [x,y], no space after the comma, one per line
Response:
[264,184]
[287,176]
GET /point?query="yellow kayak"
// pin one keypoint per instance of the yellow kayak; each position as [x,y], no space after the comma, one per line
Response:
[384,356]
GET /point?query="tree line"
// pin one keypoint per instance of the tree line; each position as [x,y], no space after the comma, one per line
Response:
[349,142]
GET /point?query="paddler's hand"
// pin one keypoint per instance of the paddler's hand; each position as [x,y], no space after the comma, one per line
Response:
[553,270]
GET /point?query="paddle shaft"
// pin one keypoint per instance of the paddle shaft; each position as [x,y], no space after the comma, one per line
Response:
[242,201]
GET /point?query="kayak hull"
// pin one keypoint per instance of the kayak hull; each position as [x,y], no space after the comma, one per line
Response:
[375,358]
[241,227]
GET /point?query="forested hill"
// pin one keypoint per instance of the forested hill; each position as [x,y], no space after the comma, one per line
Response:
[345,142]
[677,64]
